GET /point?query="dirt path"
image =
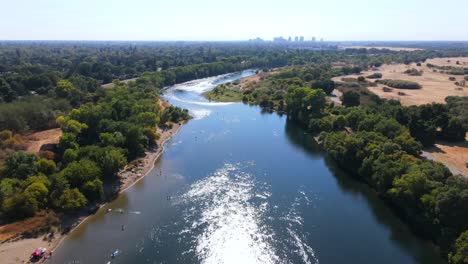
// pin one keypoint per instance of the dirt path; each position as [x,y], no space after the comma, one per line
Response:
[35,141]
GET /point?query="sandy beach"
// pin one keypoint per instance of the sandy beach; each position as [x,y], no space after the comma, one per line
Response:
[14,248]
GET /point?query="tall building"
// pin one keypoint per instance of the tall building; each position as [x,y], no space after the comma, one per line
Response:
[279,39]
[313,39]
[301,39]
[289,39]
[296,39]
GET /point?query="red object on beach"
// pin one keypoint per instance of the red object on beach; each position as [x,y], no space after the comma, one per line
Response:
[38,252]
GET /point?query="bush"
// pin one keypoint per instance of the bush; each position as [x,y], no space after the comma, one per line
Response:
[413,72]
[375,75]
[400,84]
[387,90]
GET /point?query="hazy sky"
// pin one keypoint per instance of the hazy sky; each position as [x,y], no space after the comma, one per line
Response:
[233,20]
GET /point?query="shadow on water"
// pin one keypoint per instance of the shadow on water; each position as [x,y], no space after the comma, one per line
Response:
[398,231]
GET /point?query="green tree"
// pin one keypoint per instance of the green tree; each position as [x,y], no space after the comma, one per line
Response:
[93,190]
[46,166]
[79,172]
[460,253]
[71,200]
[112,161]
[20,165]
[351,98]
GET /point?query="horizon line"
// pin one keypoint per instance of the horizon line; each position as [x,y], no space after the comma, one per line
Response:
[244,40]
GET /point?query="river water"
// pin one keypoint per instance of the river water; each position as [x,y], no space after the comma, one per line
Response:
[240,185]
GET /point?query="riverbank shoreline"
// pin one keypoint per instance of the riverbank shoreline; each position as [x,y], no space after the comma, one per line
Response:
[18,250]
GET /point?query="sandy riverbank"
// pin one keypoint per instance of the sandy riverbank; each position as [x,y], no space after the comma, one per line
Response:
[18,250]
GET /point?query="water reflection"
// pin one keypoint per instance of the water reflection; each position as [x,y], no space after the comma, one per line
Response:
[398,230]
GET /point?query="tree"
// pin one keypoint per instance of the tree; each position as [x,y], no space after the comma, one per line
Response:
[93,190]
[79,172]
[460,253]
[67,141]
[46,166]
[21,165]
[6,93]
[455,130]
[351,98]
[71,200]
[112,161]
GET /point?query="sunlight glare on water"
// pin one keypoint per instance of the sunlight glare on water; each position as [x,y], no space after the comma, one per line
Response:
[225,217]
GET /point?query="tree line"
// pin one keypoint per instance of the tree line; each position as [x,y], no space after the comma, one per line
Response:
[98,140]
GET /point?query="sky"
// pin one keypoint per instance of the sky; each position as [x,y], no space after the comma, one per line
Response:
[333,20]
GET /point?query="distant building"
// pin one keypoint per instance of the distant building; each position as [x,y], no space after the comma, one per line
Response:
[289,39]
[256,40]
[296,39]
[301,39]
[313,39]
[279,39]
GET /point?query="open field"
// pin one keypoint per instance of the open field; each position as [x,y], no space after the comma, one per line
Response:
[453,155]
[463,61]
[379,47]
[435,85]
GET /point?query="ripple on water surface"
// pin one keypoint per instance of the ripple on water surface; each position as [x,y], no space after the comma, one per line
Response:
[226,218]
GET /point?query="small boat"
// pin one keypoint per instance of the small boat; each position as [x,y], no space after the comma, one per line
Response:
[115,254]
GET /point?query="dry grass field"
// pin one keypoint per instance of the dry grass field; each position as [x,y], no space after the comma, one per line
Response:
[435,85]
[463,61]
[453,155]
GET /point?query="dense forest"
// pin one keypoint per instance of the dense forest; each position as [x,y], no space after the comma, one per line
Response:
[47,85]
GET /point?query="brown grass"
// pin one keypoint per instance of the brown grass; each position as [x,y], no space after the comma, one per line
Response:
[435,85]
[453,155]
[453,61]
[38,224]
[35,141]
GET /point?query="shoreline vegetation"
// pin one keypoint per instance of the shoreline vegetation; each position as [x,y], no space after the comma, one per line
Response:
[18,249]
[379,143]
[59,85]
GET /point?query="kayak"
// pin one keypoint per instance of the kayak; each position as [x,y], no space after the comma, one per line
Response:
[115,254]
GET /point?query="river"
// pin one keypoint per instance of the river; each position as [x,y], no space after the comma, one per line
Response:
[240,185]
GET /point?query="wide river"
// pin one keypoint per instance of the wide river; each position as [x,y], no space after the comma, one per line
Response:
[239,185]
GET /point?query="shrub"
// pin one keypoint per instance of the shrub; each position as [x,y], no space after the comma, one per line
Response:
[375,75]
[413,72]
[387,89]
[400,84]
